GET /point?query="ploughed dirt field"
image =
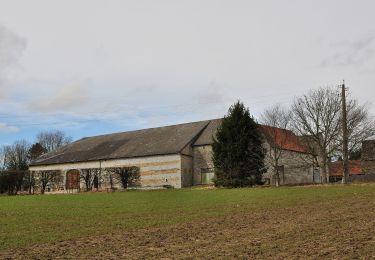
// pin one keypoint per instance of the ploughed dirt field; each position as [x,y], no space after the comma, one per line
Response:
[301,222]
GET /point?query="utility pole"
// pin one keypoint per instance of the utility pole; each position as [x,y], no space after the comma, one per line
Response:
[345,173]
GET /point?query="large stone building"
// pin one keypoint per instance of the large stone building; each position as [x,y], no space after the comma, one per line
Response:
[174,156]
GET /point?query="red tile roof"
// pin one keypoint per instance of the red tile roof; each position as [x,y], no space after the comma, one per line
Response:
[336,168]
[284,138]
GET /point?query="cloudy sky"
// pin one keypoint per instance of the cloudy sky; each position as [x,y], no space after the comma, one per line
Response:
[93,67]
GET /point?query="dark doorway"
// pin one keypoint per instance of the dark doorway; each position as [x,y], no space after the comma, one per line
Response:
[72,180]
[281,170]
[96,182]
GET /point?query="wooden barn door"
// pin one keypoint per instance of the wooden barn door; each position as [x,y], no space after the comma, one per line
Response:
[72,180]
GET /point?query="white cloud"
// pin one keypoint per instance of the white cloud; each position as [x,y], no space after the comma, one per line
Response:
[67,99]
[5,128]
[351,53]
[11,48]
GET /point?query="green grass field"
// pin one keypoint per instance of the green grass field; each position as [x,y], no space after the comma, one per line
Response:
[32,221]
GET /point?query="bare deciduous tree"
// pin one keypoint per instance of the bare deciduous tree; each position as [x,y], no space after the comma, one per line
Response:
[16,156]
[317,115]
[2,159]
[16,162]
[91,177]
[45,178]
[126,175]
[52,140]
[275,118]
[360,125]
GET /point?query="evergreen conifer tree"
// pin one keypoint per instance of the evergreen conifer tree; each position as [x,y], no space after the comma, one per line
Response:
[238,154]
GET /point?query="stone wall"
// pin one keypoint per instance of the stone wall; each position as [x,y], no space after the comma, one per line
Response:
[368,167]
[203,165]
[155,171]
[368,161]
[186,171]
[295,168]
[368,150]
[58,185]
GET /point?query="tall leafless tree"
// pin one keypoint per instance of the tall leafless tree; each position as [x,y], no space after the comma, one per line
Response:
[52,140]
[317,115]
[360,124]
[16,156]
[276,118]
[16,162]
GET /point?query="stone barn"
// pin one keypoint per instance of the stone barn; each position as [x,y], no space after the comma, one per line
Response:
[171,156]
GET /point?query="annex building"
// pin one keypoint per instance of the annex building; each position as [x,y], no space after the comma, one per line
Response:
[174,156]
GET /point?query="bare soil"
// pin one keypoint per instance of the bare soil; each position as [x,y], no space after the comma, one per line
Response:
[340,229]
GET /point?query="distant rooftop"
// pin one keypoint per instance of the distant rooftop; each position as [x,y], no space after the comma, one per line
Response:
[336,168]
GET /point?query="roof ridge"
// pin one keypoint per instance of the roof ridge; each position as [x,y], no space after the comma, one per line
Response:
[278,128]
[144,129]
[195,138]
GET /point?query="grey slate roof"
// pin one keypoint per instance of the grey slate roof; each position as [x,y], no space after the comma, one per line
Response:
[147,142]
[207,135]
